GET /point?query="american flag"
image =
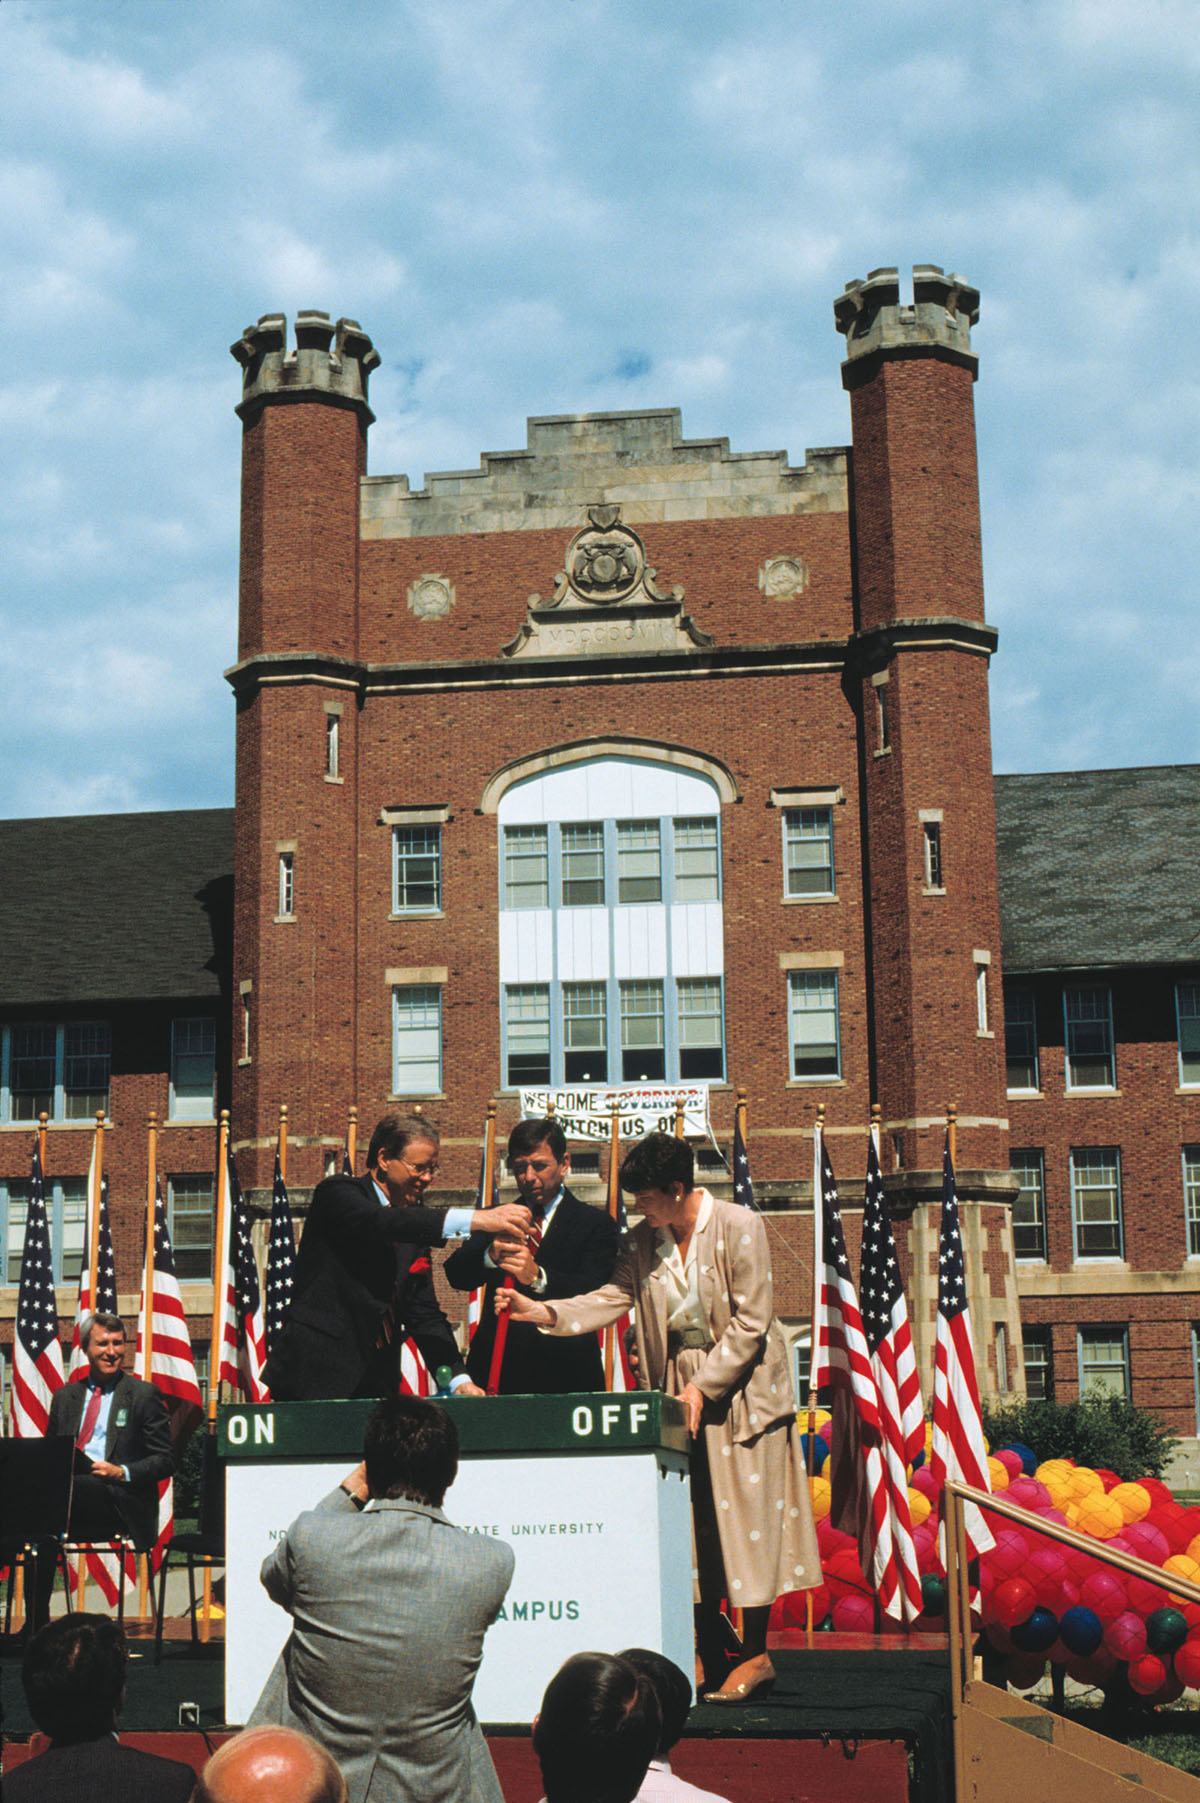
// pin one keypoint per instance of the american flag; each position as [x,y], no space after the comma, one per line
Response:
[894,1366]
[860,1502]
[475,1298]
[743,1189]
[37,1355]
[172,1369]
[106,1275]
[281,1259]
[958,1450]
[242,1350]
[414,1372]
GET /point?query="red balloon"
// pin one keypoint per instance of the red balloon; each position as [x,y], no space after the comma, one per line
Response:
[790,1611]
[1024,1670]
[1155,1489]
[1147,1542]
[1010,1460]
[853,1615]
[1010,1554]
[1104,1592]
[1187,1662]
[1145,1597]
[1013,1601]
[843,1573]
[1126,1636]
[1095,1669]
[924,1481]
[999,1637]
[1147,1674]
[1046,1570]
[1027,1493]
[1108,1478]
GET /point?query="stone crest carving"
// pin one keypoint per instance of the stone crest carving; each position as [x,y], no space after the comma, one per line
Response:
[430,597]
[782,577]
[605,603]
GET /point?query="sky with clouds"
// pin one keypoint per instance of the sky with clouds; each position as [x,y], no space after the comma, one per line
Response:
[536,207]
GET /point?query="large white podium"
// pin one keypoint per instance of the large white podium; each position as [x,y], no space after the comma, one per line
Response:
[591,1493]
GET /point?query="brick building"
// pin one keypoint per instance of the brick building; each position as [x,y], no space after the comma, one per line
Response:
[624,758]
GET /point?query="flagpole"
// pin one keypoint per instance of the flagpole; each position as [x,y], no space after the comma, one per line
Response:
[148,1270]
[501,1339]
[678,1118]
[282,1143]
[94,1207]
[352,1136]
[952,1131]
[220,1262]
[614,1201]
[740,1111]
[43,1121]
[810,1437]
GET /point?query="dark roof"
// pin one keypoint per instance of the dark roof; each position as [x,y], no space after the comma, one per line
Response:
[115,907]
[1099,868]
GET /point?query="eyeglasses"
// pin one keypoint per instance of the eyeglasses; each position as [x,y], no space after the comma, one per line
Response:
[421,1170]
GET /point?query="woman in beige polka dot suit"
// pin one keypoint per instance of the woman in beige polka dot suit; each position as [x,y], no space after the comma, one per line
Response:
[698,1273]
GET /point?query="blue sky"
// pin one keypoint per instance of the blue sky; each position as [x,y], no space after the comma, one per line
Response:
[541,207]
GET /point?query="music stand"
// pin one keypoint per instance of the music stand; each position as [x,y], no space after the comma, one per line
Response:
[35,1506]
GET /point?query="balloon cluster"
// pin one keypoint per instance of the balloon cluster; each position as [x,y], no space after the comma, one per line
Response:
[1039,1600]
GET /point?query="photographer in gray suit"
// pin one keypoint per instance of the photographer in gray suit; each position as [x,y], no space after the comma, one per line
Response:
[390,1604]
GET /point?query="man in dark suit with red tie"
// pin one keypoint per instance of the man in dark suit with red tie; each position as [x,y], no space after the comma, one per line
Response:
[364,1279]
[570,1248]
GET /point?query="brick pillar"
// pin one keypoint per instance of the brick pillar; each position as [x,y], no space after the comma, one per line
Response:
[305,419]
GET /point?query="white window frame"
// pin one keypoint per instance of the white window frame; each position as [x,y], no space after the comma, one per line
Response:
[1080,1185]
[689,987]
[1099,991]
[286,898]
[637,996]
[1041,1337]
[519,1011]
[406,853]
[1014,998]
[185,1250]
[66,1216]
[1190,1160]
[1108,1335]
[931,851]
[333,742]
[525,842]
[804,982]
[59,1097]
[811,825]
[1187,1026]
[416,1057]
[1033,1160]
[193,1107]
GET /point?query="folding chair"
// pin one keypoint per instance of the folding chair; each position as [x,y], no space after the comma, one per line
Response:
[35,1507]
[204,1549]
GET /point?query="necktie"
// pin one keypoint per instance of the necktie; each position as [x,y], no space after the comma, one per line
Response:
[534,1236]
[88,1425]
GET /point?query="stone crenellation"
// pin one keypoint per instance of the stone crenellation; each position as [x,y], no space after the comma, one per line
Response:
[873,319]
[330,362]
[638,461]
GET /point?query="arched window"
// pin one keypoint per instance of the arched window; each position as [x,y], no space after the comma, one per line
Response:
[611,930]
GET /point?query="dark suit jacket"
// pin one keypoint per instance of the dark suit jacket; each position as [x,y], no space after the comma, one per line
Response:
[356,1258]
[578,1254]
[98,1768]
[138,1437]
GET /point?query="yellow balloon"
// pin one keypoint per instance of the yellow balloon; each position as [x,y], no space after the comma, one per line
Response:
[1192,1549]
[819,1488]
[1132,1500]
[1183,1566]
[1099,1516]
[998,1474]
[918,1507]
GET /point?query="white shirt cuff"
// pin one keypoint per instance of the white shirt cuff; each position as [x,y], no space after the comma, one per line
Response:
[457,1224]
[538,1286]
[458,1383]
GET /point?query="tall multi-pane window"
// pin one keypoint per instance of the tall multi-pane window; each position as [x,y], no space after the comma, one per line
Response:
[287,885]
[1087,1013]
[583,864]
[701,1029]
[934,873]
[1096,1201]
[1187,1008]
[526,867]
[66,1218]
[643,1057]
[697,860]
[417,1039]
[332,748]
[1029,1209]
[639,861]
[813,1023]
[1104,1361]
[190,1217]
[527,1033]
[808,851]
[55,1068]
[585,1032]
[193,1068]
[1037,1352]
[416,869]
[1191,1198]
[1020,1040]
[611,932]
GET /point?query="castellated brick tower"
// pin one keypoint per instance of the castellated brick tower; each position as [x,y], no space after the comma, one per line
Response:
[305,417]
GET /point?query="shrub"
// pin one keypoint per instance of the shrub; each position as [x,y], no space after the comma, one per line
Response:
[1100,1431]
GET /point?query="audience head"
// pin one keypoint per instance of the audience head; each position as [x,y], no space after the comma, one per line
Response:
[74,1677]
[671,1686]
[411,1449]
[657,1162]
[270,1765]
[596,1732]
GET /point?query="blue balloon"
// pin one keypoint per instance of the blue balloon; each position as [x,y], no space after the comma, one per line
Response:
[820,1451]
[1080,1630]
[1026,1454]
[1036,1634]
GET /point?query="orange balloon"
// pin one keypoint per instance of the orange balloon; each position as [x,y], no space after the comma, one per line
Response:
[1100,1516]
[1183,1566]
[821,1496]
[998,1474]
[918,1507]
[1132,1500]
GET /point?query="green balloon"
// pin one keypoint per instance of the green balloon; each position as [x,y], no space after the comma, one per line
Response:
[1166,1629]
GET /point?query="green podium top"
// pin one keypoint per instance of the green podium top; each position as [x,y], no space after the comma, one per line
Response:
[640,1421]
